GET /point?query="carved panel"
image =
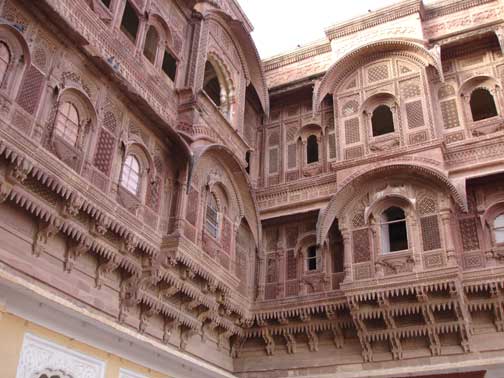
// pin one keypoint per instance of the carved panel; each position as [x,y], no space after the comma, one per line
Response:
[39,355]
[414,113]
[31,89]
[449,113]
[362,271]
[104,154]
[361,246]
[433,260]
[354,152]
[430,233]
[352,134]
[192,206]
[291,266]
[469,233]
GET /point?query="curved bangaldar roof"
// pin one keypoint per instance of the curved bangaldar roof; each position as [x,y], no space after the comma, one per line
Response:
[240,26]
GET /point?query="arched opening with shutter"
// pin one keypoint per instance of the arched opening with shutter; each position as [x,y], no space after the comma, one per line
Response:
[482,104]
[212,86]
[312,150]
[382,121]
[151,44]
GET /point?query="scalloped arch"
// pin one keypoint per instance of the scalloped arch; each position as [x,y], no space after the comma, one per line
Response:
[349,186]
[350,61]
[249,56]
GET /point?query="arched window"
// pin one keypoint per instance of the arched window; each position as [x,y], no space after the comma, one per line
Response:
[312,149]
[499,229]
[482,104]
[5,57]
[67,123]
[130,178]
[151,44]
[393,230]
[212,216]
[382,121]
[211,84]
[311,258]
[130,22]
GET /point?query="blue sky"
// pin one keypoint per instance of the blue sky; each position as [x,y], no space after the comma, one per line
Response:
[281,25]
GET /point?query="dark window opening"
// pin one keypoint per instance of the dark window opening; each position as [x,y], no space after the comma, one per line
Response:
[482,104]
[394,231]
[312,149]
[312,258]
[169,65]
[151,44]
[130,22]
[382,121]
[247,161]
[212,86]
[106,3]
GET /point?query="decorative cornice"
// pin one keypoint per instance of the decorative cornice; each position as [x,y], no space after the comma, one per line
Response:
[375,18]
[446,7]
[302,53]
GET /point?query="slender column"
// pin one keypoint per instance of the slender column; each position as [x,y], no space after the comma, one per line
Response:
[347,255]
[447,233]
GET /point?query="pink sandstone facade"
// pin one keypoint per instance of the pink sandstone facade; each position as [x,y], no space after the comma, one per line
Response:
[334,211]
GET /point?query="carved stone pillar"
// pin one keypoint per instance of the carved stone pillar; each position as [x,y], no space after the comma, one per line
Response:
[414,243]
[347,256]
[261,277]
[180,205]
[445,215]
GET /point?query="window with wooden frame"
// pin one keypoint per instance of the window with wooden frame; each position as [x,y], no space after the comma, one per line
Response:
[394,235]
[498,229]
[312,259]
[130,176]
[212,216]
[130,22]
[67,123]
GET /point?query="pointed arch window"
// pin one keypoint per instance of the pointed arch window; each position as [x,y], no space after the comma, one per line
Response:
[212,216]
[67,123]
[394,235]
[498,229]
[5,57]
[312,153]
[130,177]
[382,121]
[482,104]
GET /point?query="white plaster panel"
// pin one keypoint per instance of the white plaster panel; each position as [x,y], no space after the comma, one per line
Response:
[39,355]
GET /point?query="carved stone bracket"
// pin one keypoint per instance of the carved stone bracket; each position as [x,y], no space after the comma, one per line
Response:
[46,231]
[106,268]
[145,316]
[290,341]
[269,341]
[74,251]
[169,327]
